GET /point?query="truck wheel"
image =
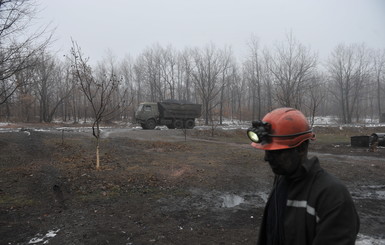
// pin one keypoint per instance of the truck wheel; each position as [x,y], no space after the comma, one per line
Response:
[143,125]
[169,126]
[150,124]
[178,124]
[190,124]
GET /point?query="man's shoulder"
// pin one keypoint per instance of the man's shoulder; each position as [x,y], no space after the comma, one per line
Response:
[322,177]
[327,181]
[328,187]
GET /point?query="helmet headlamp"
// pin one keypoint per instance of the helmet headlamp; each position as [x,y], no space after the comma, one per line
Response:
[259,132]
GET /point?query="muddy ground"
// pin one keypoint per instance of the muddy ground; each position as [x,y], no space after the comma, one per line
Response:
[160,186]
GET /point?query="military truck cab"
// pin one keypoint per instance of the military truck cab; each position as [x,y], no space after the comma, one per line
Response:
[147,115]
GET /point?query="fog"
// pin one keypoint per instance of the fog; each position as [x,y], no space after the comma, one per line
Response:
[127,27]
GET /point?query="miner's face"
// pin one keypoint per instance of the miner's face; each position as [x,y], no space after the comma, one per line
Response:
[284,162]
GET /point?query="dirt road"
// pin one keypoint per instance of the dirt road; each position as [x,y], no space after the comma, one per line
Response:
[158,186]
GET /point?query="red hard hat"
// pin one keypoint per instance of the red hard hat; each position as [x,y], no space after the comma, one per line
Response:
[289,128]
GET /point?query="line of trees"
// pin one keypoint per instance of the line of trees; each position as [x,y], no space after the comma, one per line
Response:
[35,85]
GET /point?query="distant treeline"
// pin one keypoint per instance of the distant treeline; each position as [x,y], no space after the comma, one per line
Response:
[36,85]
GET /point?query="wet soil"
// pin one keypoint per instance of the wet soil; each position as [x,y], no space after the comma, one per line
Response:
[159,186]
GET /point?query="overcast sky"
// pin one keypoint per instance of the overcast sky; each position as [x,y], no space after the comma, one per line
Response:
[127,27]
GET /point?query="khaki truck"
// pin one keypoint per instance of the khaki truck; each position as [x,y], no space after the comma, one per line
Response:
[173,114]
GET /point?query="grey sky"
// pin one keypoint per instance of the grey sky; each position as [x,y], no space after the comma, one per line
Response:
[127,27]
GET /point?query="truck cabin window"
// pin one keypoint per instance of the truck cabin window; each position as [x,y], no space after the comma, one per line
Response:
[140,108]
[147,108]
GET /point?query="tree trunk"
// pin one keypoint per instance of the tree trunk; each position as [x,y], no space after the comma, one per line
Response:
[97,154]
[96,134]
[379,99]
[221,106]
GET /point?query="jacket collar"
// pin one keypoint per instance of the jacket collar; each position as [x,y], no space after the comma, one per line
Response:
[311,164]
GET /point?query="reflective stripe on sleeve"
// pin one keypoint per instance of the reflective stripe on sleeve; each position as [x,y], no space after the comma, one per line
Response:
[303,204]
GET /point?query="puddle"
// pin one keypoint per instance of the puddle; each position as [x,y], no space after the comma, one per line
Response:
[199,199]
[374,186]
[376,192]
[376,195]
[252,200]
[345,159]
[231,200]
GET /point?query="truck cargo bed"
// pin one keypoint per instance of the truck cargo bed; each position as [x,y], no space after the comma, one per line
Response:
[179,110]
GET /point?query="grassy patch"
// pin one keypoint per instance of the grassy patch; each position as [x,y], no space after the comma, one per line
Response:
[97,196]
[332,139]
[16,202]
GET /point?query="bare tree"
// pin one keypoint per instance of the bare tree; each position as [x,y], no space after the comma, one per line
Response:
[379,77]
[99,92]
[349,71]
[168,71]
[187,69]
[127,71]
[209,63]
[315,96]
[44,85]
[267,82]
[292,66]
[151,61]
[254,75]
[238,87]
[67,90]
[16,52]
[227,72]
[24,95]
[51,86]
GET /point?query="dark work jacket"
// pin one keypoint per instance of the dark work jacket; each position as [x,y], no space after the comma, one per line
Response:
[319,210]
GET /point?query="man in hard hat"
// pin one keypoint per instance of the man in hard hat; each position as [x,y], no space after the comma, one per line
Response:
[307,205]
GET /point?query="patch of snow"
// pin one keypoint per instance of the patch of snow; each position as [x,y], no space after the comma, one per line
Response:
[264,196]
[235,127]
[3,124]
[373,186]
[42,129]
[74,129]
[231,200]
[366,240]
[9,130]
[232,122]
[81,121]
[327,120]
[381,195]
[43,238]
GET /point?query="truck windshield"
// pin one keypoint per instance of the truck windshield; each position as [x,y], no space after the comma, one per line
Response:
[140,108]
